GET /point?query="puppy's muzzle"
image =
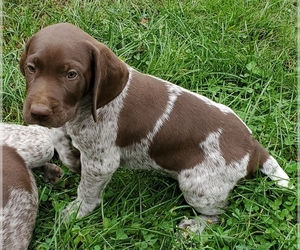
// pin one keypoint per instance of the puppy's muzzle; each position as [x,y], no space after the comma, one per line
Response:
[40,112]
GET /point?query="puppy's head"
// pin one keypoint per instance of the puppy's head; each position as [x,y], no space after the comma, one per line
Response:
[62,64]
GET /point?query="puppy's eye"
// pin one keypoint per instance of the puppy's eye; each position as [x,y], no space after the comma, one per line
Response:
[71,74]
[31,68]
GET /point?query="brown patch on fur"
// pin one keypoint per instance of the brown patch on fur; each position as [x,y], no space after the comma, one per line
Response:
[145,102]
[176,145]
[235,140]
[15,173]
[258,156]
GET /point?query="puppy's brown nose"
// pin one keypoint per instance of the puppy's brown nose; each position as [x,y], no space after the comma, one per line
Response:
[40,111]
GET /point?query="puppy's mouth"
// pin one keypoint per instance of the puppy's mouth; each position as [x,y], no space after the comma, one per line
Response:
[48,124]
[51,116]
[45,121]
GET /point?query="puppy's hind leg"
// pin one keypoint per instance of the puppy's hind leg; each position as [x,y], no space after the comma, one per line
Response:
[206,198]
[208,213]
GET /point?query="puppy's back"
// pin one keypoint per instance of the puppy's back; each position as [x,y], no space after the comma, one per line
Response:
[20,201]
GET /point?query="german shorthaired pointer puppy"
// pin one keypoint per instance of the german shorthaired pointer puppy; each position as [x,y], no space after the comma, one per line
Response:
[24,148]
[116,115]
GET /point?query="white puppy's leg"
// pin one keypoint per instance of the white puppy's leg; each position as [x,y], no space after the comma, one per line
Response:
[95,174]
[206,198]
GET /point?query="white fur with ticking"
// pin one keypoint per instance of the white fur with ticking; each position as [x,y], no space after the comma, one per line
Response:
[35,145]
[18,218]
[212,179]
[98,164]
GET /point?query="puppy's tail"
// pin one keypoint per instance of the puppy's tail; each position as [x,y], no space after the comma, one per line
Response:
[270,167]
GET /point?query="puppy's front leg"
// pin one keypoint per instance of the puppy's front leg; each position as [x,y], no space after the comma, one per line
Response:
[69,155]
[95,174]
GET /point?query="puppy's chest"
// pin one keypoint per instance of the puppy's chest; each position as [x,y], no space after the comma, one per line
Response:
[92,138]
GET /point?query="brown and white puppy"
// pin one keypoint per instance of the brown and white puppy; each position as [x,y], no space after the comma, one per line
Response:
[117,115]
[24,148]
[19,202]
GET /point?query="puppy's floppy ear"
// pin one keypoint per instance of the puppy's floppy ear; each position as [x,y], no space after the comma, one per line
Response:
[110,75]
[23,57]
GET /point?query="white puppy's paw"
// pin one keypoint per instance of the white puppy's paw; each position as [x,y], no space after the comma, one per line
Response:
[196,225]
[71,210]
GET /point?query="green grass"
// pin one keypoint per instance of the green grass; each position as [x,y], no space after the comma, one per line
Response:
[241,53]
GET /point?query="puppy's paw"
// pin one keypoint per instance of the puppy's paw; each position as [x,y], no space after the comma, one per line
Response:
[78,207]
[52,173]
[71,211]
[196,225]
